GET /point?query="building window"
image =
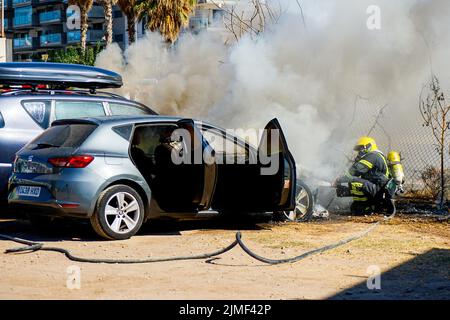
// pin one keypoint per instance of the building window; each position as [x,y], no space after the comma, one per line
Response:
[22,16]
[50,16]
[22,41]
[73,36]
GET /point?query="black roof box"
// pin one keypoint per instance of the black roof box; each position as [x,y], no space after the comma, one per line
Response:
[61,75]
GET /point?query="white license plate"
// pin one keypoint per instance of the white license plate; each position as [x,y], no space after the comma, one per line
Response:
[28,191]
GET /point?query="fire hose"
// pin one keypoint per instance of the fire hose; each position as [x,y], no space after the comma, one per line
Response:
[32,246]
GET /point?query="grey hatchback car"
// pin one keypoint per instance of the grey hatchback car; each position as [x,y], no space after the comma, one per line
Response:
[33,97]
[118,172]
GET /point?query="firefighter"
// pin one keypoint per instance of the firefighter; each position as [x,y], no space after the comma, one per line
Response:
[368,175]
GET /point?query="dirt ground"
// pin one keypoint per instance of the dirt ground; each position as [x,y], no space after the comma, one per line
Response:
[412,253]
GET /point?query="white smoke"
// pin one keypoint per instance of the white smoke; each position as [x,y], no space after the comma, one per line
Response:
[308,77]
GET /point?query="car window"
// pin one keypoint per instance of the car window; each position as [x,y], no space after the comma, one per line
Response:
[2,121]
[118,109]
[69,135]
[222,144]
[77,109]
[147,138]
[124,131]
[39,111]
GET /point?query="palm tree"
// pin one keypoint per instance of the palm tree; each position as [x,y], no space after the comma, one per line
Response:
[167,16]
[130,10]
[108,8]
[85,6]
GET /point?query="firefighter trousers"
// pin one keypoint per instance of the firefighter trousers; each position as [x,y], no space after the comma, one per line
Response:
[363,190]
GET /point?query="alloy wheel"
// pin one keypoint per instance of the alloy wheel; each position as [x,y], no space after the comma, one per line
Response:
[302,204]
[122,212]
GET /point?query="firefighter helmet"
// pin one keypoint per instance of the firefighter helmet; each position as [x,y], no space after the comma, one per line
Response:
[365,145]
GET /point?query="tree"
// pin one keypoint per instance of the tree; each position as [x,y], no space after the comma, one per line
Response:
[85,6]
[167,16]
[434,109]
[130,10]
[251,19]
[108,8]
[75,55]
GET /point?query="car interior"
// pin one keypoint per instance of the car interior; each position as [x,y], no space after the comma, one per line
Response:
[176,187]
[239,184]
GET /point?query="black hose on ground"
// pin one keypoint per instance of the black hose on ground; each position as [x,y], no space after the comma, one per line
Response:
[32,246]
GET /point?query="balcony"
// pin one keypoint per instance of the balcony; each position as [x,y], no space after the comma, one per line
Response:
[20,43]
[50,16]
[92,36]
[21,21]
[73,36]
[198,23]
[18,3]
[96,12]
[48,40]
[95,35]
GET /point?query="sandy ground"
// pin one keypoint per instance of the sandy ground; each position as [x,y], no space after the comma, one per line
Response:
[413,254]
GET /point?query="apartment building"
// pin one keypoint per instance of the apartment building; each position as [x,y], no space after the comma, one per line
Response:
[38,26]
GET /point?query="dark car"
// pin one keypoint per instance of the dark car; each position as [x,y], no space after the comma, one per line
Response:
[36,94]
[121,171]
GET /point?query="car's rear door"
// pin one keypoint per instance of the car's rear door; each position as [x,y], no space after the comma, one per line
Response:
[277,169]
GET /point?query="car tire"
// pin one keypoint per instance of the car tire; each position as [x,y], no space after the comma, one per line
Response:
[304,205]
[119,213]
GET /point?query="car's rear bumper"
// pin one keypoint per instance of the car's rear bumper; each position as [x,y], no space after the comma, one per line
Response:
[68,193]
[47,209]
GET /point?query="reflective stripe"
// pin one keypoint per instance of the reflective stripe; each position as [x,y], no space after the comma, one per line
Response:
[366,163]
[356,189]
[356,185]
[385,163]
[360,199]
[348,175]
[387,167]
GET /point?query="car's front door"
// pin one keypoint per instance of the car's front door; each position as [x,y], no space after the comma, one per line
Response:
[202,167]
[277,176]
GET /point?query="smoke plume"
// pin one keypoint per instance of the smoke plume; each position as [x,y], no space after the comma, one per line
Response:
[311,74]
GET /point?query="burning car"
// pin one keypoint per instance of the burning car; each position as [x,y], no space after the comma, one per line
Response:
[120,171]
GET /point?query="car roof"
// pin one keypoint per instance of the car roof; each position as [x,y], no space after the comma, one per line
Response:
[81,95]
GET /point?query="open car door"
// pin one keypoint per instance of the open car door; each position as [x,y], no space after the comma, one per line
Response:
[277,169]
[202,169]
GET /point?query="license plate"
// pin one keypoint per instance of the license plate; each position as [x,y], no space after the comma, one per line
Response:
[28,191]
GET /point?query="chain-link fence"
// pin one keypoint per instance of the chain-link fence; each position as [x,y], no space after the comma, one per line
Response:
[402,130]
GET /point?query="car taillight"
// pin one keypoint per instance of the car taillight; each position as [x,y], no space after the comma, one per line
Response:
[71,162]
